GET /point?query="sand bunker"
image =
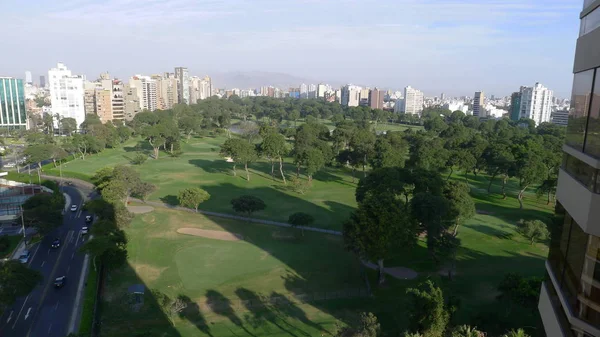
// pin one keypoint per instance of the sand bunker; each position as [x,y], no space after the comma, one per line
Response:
[205,233]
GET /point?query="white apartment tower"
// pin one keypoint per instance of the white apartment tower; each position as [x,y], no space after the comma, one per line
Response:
[66,93]
[536,103]
[413,101]
[205,88]
[350,95]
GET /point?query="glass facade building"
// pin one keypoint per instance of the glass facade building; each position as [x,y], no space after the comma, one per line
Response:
[570,296]
[12,103]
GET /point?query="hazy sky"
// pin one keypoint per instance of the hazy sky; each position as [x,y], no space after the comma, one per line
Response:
[435,45]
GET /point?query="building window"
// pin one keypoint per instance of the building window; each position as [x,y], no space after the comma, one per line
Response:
[578,113]
[592,139]
[590,22]
[582,172]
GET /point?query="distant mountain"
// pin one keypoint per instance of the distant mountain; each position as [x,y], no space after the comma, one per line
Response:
[256,79]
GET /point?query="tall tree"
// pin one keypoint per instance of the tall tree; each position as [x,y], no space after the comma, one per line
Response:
[248,204]
[529,167]
[192,197]
[460,204]
[428,312]
[240,152]
[68,125]
[432,212]
[380,227]
[301,219]
[274,148]
[314,160]
[363,144]
[17,280]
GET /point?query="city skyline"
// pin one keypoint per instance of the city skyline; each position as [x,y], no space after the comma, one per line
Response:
[426,44]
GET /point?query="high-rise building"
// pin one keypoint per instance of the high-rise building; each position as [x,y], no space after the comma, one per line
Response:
[66,93]
[303,91]
[89,97]
[413,101]
[28,78]
[350,95]
[364,96]
[118,101]
[42,81]
[312,91]
[515,106]
[478,105]
[104,104]
[183,85]
[560,117]
[195,89]
[13,114]
[442,96]
[321,88]
[536,103]
[206,88]
[569,304]
[145,88]
[131,102]
[376,99]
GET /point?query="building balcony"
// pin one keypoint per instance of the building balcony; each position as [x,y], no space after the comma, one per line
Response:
[581,203]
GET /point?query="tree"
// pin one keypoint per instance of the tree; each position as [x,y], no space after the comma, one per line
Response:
[189,125]
[432,212]
[248,204]
[36,154]
[466,331]
[301,219]
[548,187]
[68,125]
[367,326]
[529,167]
[516,333]
[363,144]
[378,228]
[241,152]
[44,212]
[17,280]
[274,148]
[460,204]
[139,159]
[498,160]
[428,312]
[390,150]
[143,190]
[192,197]
[155,137]
[314,160]
[533,230]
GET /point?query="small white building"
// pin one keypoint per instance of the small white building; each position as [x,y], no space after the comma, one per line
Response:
[66,93]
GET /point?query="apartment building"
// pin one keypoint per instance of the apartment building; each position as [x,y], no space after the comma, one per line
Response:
[569,302]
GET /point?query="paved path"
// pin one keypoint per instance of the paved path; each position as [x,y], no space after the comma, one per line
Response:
[400,273]
[140,209]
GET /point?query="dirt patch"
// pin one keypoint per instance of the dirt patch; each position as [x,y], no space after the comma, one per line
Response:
[140,209]
[205,233]
[400,273]
[148,272]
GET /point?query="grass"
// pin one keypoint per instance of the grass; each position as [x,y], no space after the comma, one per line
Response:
[330,199]
[89,300]
[269,262]
[13,242]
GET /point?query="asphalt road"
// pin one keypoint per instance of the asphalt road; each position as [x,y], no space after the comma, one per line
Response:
[47,310]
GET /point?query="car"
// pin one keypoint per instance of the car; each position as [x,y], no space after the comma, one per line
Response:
[84,230]
[89,218]
[59,282]
[24,258]
[73,208]
[56,243]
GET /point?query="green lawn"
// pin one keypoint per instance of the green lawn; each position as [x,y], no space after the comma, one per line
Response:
[241,276]
[330,200]
[13,242]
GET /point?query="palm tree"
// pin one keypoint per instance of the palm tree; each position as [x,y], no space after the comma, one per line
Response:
[516,333]
[466,331]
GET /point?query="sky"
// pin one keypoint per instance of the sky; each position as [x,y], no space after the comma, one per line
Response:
[456,47]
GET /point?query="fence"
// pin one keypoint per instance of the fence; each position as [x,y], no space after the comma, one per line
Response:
[214,305]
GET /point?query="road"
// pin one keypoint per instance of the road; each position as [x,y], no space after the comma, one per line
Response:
[47,310]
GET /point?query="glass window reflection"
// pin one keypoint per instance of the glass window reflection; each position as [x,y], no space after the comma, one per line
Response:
[578,113]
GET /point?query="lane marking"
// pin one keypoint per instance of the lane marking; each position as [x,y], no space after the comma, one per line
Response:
[31,260]
[48,251]
[50,328]
[19,314]
[68,268]
[56,306]
[43,263]
[27,314]
[50,280]
[9,317]
[72,255]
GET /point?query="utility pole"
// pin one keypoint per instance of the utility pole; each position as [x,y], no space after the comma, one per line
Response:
[22,221]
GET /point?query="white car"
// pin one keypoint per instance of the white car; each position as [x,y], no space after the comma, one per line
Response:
[73,208]
[24,258]
[84,230]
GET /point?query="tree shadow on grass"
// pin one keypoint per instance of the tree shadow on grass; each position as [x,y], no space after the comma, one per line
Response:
[140,146]
[170,200]
[488,230]
[192,314]
[221,305]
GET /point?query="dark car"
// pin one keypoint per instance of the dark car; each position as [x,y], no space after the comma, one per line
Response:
[56,243]
[89,218]
[59,282]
